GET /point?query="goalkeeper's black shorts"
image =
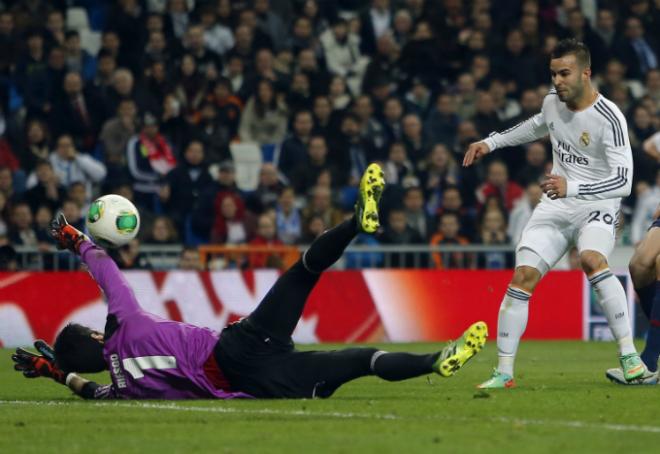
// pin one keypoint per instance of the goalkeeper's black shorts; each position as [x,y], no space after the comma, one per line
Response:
[264,367]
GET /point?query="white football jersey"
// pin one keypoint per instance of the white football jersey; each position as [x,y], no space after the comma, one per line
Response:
[590,148]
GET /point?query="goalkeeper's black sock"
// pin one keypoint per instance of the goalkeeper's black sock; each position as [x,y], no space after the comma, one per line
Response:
[327,248]
[400,366]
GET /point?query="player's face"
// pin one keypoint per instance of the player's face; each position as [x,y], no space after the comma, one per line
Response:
[568,77]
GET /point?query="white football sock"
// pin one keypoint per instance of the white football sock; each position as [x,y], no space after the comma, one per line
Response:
[612,299]
[511,325]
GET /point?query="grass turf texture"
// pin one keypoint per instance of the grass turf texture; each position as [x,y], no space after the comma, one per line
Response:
[563,403]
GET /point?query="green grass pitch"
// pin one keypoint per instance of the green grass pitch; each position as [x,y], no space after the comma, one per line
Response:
[563,404]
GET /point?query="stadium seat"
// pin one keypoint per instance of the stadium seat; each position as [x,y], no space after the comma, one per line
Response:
[76,19]
[90,41]
[247,159]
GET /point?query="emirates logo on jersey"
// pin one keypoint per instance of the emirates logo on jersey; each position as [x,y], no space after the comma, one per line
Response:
[585,139]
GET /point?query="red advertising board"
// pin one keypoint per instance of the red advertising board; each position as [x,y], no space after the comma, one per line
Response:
[345,306]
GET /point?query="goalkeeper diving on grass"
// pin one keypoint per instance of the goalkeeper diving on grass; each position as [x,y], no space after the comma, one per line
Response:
[149,357]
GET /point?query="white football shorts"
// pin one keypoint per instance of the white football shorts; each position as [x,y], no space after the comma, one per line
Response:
[555,227]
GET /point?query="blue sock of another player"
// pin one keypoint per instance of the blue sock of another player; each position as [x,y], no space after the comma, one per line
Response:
[652,349]
[646,296]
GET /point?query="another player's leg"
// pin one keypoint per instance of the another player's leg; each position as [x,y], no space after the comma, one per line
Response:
[542,244]
[613,301]
[643,270]
[511,324]
[640,266]
[279,311]
[652,349]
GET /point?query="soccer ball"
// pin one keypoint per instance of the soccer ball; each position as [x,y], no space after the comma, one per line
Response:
[112,221]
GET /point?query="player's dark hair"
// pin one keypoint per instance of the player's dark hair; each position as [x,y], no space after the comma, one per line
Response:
[77,351]
[573,46]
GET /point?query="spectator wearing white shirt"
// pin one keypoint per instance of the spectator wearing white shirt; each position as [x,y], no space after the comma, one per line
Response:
[376,21]
[342,54]
[71,166]
[217,37]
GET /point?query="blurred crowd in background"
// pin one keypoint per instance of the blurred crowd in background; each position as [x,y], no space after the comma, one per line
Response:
[250,122]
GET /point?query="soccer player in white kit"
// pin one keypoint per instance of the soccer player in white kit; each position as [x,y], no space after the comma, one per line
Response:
[592,170]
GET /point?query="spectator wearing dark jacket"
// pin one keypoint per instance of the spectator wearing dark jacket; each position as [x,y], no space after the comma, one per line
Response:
[78,112]
[306,173]
[516,63]
[637,50]
[186,183]
[265,196]
[534,168]
[48,190]
[416,215]
[200,222]
[398,232]
[213,132]
[228,105]
[31,76]
[294,148]
[21,229]
[351,153]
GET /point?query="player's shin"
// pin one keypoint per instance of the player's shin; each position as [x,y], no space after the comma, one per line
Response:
[511,325]
[613,301]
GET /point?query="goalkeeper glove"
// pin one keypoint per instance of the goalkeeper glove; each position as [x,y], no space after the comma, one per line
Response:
[65,235]
[34,366]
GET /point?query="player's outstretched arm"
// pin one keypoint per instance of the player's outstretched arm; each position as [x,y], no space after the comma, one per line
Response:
[121,300]
[526,131]
[33,365]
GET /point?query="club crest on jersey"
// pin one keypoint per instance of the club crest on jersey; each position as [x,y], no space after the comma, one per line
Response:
[585,139]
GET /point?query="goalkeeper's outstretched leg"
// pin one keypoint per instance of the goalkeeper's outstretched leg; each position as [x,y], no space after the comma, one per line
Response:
[279,311]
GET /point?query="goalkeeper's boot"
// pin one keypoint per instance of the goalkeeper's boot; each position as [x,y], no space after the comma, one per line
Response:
[632,366]
[366,207]
[498,380]
[460,351]
[647,378]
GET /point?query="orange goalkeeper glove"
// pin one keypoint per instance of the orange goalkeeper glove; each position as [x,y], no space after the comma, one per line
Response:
[65,235]
[34,366]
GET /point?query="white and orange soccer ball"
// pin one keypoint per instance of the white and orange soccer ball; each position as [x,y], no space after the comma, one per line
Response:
[112,221]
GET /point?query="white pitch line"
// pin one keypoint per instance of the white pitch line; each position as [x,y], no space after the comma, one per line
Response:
[347,415]
[578,424]
[225,410]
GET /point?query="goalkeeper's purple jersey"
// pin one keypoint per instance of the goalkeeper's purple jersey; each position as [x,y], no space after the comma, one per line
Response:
[150,357]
